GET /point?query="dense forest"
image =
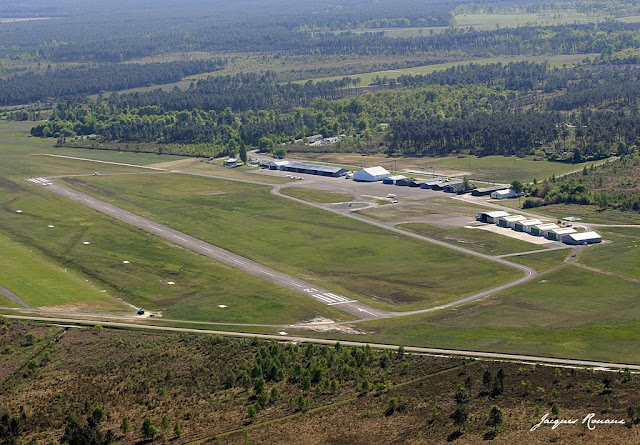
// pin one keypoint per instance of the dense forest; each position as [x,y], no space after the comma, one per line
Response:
[60,83]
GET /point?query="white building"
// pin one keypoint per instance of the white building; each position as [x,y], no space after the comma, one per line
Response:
[491,217]
[231,162]
[526,225]
[371,174]
[557,234]
[504,194]
[278,164]
[510,221]
[582,238]
[543,229]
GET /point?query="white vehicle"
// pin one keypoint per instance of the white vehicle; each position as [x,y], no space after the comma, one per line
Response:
[391,195]
[394,201]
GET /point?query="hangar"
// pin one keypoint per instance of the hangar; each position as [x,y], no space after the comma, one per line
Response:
[486,191]
[526,225]
[543,229]
[509,221]
[371,174]
[582,238]
[557,234]
[312,169]
[393,179]
[491,217]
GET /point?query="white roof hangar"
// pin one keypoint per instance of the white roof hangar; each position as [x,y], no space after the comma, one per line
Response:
[371,174]
[582,238]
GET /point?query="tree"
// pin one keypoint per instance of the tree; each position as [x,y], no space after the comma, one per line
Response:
[400,355]
[460,417]
[487,379]
[124,426]
[392,406]
[177,430]
[148,430]
[495,419]
[517,186]
[243,153]
[165,423]
[555,409]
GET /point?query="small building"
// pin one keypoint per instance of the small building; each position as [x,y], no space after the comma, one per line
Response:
[581,238]
[313,169]
[416,183]
[526,225]
[491,217]
[371,174]
[231,162]
[557,234]
[509,221]
[432,183]
[542,229]
[487,191]
[278,164]
[404,182]
[393,179]
[454,187]
[504,194]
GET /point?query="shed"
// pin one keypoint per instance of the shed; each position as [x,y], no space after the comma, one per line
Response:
[526,225]
[582,238]
[231,162]
[371,174]
[431,184]
[486,191]
[503,194]
[404,181]
[557,234]
[278,164]
[454,187]
[509,221]
[542,229]
[491,217]
[392,179]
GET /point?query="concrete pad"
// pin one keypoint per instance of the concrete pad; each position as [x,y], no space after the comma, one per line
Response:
[522,236]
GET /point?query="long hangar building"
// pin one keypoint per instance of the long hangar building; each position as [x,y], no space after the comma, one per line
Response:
[310,169]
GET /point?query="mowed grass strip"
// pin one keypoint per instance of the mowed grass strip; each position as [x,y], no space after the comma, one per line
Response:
[346,256]
[475,239]
[201,284]
[315,195]
[41,283]
[620,254]
[570,313]
[543,260]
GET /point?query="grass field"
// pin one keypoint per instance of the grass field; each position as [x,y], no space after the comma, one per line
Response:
[620,256]
[505,169]
[367,78]
[568,313]
[314,195]
[201,284]
[41,283]
[336,252]
[558,17]
[479,240]
[542,261]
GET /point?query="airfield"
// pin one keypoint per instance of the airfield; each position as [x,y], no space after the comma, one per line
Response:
[199,246]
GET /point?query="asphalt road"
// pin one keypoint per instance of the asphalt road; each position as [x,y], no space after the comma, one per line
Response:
[343,303]
[433,351]
[13,297]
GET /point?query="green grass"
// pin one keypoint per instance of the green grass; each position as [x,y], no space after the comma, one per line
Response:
[367,78]
[505,169]
[201,284]
[42,283]
[474,239]
[344,255]
[558,17]
[314,195]
[542,261]
[588,213]
[620,255]
[575,314]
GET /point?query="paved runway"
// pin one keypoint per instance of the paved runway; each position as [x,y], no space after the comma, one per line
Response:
[320,294]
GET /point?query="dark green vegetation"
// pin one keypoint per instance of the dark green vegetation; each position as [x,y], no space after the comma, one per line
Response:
[613,185]
[125,386]
[344,255]
[314,195]
[31,87]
